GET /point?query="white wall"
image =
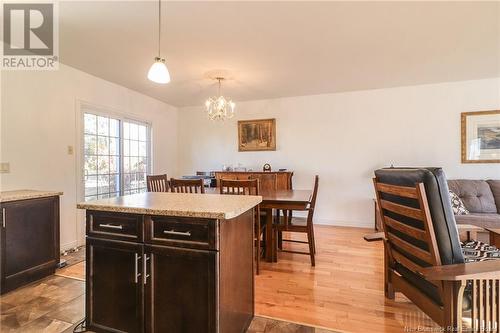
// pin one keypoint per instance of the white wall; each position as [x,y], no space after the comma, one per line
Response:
[39,118]
[343,137]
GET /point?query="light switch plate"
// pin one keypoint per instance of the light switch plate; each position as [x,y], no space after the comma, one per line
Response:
[4,167]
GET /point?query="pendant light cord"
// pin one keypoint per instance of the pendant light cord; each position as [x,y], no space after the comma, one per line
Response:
[159,29]
[219,79]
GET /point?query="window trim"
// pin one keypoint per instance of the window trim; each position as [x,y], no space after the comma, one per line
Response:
[83,107]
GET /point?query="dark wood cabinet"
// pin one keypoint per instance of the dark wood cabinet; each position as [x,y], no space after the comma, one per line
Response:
[174,279]
[180,290]
[29,241]
[115,285]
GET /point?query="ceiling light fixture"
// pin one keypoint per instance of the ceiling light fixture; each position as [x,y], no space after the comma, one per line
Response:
[158,72]
[218,107]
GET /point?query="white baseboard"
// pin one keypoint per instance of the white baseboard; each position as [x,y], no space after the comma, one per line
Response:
[356,224]
[68,246]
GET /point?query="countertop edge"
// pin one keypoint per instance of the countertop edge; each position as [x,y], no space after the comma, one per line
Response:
[170,212]
[32,195]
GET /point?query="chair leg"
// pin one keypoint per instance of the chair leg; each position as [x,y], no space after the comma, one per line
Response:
[258,248]
[311,247]
[313,239]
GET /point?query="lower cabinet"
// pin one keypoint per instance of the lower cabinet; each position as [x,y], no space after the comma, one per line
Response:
[133,287]
[181,283]
[174,275]
[29,241]
[114,286]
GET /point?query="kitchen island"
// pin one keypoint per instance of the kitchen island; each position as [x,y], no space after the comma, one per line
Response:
[170,262]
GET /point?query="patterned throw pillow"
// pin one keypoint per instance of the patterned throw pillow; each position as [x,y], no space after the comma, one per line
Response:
[457,205]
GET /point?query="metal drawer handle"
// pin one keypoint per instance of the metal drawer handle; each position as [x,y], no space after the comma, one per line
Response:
[145,269]
[137,274]
[178,233]
[4,217]
[111,226]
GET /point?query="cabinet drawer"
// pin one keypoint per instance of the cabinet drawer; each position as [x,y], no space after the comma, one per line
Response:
[114,225]
[182,232]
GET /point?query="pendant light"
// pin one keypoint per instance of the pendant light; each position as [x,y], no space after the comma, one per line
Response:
[158,72]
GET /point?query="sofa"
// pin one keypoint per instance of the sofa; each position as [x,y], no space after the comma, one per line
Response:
[481,198]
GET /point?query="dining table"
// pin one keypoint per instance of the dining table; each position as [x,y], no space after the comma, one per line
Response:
[284,200]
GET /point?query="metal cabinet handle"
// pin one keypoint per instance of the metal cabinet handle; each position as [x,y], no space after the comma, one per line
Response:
[145,274]
[136,271]
[178,233]
[111,226]
[4,217]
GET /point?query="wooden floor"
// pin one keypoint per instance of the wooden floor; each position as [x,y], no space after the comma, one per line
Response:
[56,305]
[344,293]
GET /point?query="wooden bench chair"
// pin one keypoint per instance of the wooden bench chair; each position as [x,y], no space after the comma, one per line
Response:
[423,254]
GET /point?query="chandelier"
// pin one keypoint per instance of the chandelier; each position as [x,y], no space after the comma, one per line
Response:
[218,107]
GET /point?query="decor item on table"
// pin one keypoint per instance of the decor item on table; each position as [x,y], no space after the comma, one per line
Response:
[158,72]
[257,135]
[218,107]
[481,137]
[266,167]
[457,205]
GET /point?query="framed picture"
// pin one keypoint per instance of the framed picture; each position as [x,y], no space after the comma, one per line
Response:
[257,135]
[481,137]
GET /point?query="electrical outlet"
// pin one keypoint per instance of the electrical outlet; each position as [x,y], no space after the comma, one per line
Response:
[70,150]
[5,167]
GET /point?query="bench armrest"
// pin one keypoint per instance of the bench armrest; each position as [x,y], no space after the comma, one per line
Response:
[460,272]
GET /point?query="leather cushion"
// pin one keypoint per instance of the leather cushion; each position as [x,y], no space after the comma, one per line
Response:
[495,189]
[436,189]
[475,194]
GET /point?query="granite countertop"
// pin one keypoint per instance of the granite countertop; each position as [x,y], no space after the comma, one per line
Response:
[214,206]
[6,196]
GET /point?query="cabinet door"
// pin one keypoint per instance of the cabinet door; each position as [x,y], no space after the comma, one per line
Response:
[29,241]
[114,286]
[180,292]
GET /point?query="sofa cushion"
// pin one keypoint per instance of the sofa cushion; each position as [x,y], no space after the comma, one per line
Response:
[476,195]
[458,205]
[481,220]
[495,189]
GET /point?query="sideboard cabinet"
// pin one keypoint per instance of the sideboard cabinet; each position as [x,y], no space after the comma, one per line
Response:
[283,178]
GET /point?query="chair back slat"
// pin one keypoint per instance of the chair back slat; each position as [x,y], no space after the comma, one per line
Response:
[239,187]
[187,185]
[407,211]
[405,228]
[157,183]
[410,248]
[402,191]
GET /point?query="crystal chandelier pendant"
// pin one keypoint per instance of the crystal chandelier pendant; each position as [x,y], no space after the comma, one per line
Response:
[218,107]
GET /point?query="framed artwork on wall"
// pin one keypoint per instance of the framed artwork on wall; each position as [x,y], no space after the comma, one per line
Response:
[257,135]
[481,137]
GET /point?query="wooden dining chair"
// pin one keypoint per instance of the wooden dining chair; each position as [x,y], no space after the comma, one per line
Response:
[246,187]
[301,225]
[157,183]
[187,185]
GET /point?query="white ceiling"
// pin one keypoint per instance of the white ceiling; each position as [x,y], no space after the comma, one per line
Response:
[277,49]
